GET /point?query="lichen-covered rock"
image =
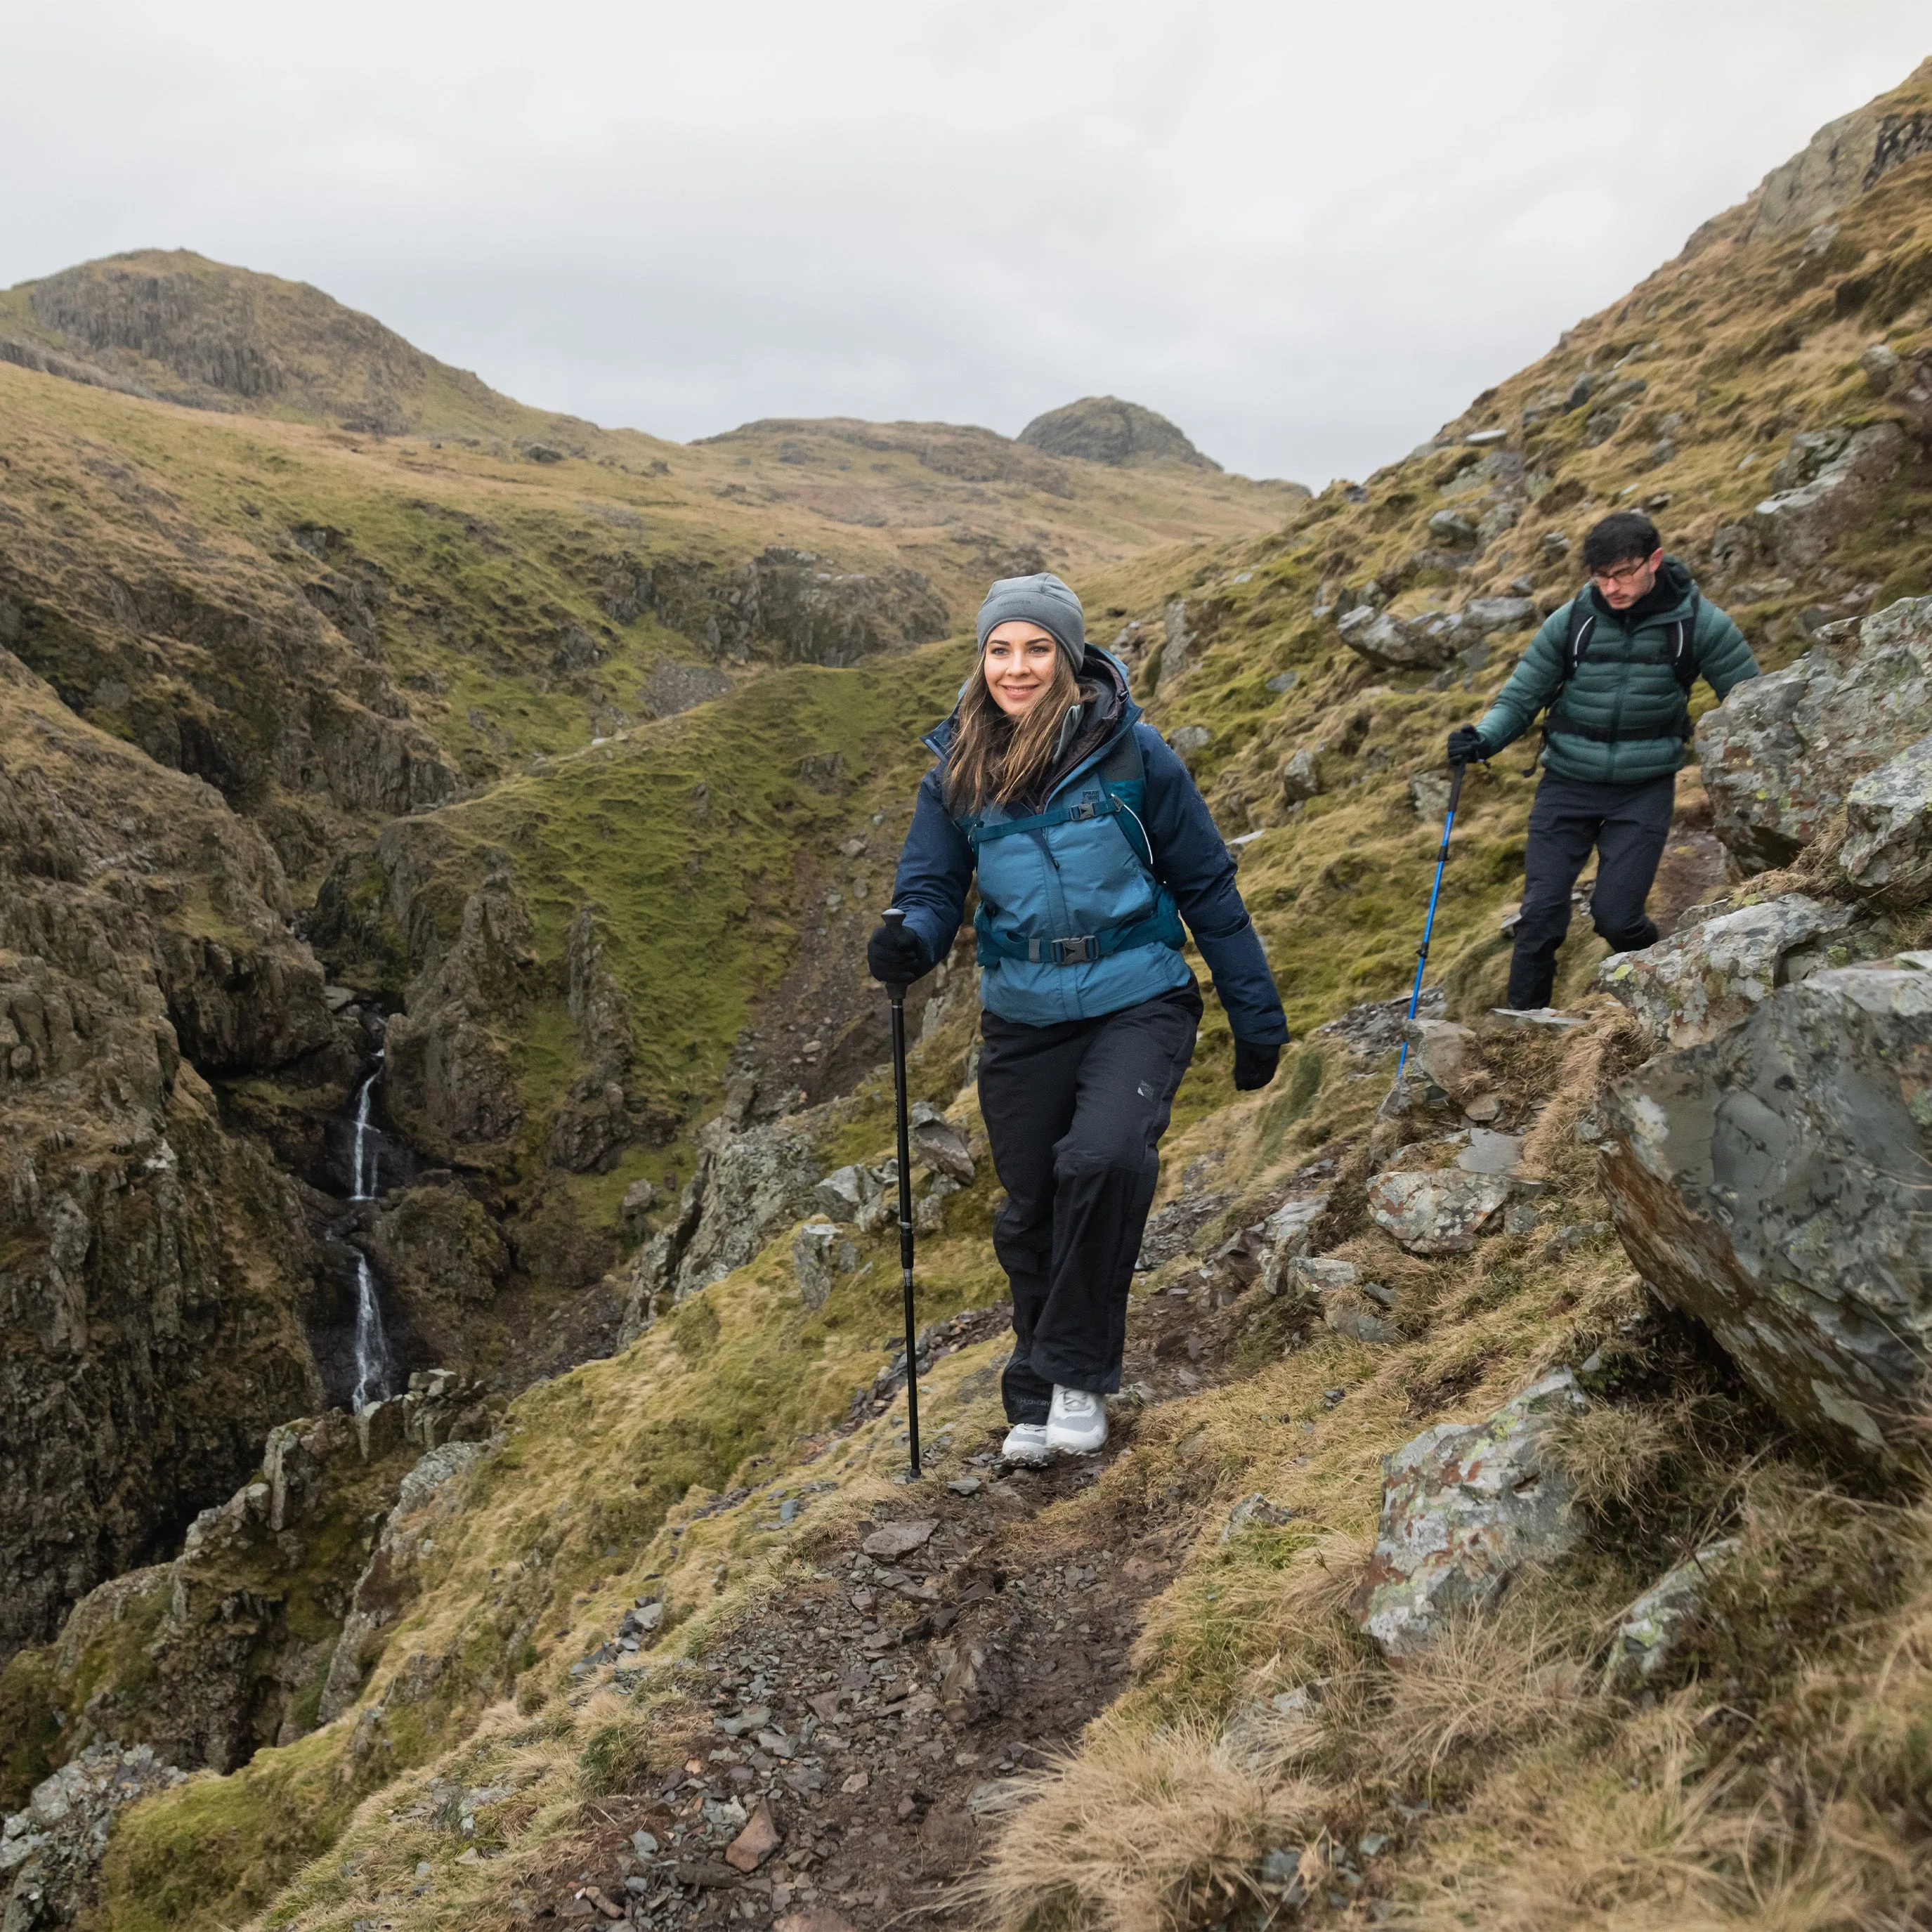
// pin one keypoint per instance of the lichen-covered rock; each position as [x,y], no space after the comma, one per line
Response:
[1693,985]
[1464,1506]
[1888,851]
[1801,526]
[1648,1632]
[819,1251]
[1442,1056]
[1286,1236]
[1436,1213]
[1783,751]
[1773,1182]
[50,1853]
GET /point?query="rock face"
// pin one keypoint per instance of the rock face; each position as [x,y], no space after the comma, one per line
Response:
[1800,527]
[225,1649]
[1888,851]
[1693,986]
[48,1853]
[1464,1506]
[1843,160]
[442,1262]
[1773,1183]
[1436,1213]
[1781,752]
[1103,429]
[154,1266]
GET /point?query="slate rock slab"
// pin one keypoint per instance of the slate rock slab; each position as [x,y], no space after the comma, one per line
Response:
[1436,1213]
[1649,1633]
[1776,1182]
[1464,1506]
[1782,752]
[1693,986]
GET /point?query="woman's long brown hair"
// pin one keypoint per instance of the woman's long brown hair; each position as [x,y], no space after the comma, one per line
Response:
[995,758]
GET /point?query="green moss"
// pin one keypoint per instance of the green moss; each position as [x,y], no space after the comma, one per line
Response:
[31,1709]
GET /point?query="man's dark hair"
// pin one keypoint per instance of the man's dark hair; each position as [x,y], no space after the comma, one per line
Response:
[1622,536]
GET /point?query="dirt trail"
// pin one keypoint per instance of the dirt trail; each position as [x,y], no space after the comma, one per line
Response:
[865,1730]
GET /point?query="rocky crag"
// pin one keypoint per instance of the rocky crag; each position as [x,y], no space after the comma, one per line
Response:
[1513,1514]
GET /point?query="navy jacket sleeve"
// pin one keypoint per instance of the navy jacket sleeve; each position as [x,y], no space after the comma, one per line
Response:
[935,871]
[1193,862]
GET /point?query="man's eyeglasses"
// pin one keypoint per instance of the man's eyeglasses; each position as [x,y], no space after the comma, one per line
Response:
[1622,578]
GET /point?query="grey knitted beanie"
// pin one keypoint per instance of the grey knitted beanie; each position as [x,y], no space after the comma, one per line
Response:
[1043,599]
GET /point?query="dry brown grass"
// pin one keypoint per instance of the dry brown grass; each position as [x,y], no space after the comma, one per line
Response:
[1142,1833]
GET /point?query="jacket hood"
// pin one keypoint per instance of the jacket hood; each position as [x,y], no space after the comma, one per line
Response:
[1669,597]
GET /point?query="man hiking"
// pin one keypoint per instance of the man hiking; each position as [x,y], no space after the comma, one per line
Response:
[1614,667]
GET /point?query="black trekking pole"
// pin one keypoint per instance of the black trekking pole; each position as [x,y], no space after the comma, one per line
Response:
[1429,924]
[895,918]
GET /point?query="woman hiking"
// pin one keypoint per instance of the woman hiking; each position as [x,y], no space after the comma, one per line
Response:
[1090,845]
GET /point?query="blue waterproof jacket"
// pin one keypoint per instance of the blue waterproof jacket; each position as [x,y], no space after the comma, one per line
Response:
[1079,898]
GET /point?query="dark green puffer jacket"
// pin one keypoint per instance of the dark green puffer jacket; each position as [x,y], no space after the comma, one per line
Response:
[1625,684]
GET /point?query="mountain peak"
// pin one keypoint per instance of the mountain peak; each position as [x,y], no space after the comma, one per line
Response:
[1103,429]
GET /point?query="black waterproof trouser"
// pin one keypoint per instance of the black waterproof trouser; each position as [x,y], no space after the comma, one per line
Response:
[1628,825]
[1074,1113]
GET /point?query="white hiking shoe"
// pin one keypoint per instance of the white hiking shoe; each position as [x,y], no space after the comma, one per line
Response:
[1026,1442]
[1076,1425]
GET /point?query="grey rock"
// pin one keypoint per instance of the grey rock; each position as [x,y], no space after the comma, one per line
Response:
[1887,854]
[1442,1055]
[1255,1512]
[1453,530]
[1284,680]
[1773,1182]
[900,1539]
[1489,616]
[1783,751]
[1190,741]
[1693,986]
[1881,366]
[1301,777]
[1429,796]
[1437,1213]
[1800,527]
[843,1194]
[1391,643]
[1490,1153]
[814,1250]
[1318,1274]
[941,1145]
[1648,1633]
[1345,1317]
[1464,1506]
[1375,1027]
[1286,1236]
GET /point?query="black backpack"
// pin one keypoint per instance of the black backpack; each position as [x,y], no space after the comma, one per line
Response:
[1582,627]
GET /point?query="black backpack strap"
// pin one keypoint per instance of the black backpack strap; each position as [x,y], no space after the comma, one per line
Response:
[1684,648]
[1582,627]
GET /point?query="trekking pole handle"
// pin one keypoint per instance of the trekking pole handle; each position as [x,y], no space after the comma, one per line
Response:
[895,917]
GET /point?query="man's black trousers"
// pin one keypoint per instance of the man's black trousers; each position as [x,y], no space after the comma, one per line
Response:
[1628,825]
[1074,1113]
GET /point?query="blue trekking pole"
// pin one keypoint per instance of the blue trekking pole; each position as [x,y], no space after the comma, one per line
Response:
[1429,924]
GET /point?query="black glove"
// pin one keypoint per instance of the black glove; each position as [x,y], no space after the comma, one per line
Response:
[895,955]
[1466,745]
[1254,1066]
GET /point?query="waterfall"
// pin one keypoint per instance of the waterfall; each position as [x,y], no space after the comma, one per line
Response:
[372,1344]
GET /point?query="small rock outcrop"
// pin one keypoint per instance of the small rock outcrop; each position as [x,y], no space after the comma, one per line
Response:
[1887,855]
[1774,1182]
[50,1853]
[1650,1633]
[1783,751]
[1801,526]
[1103,429]
[1464,1506]
[1693,986]
[1436,1213]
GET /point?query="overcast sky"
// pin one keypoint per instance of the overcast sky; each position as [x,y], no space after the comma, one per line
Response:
[1309,233]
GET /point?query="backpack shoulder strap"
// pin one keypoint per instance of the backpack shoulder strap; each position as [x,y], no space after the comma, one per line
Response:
[1684,647]
[1582,627]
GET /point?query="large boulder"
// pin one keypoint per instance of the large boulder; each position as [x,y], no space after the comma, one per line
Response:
[1888,850]
[1693,986]
[1773,1182]
[1782,752]
[1465,1507]
[1801,526]
[1391,642]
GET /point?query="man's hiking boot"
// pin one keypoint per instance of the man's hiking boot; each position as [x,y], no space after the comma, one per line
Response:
[1076,1425]
[1026,1442]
